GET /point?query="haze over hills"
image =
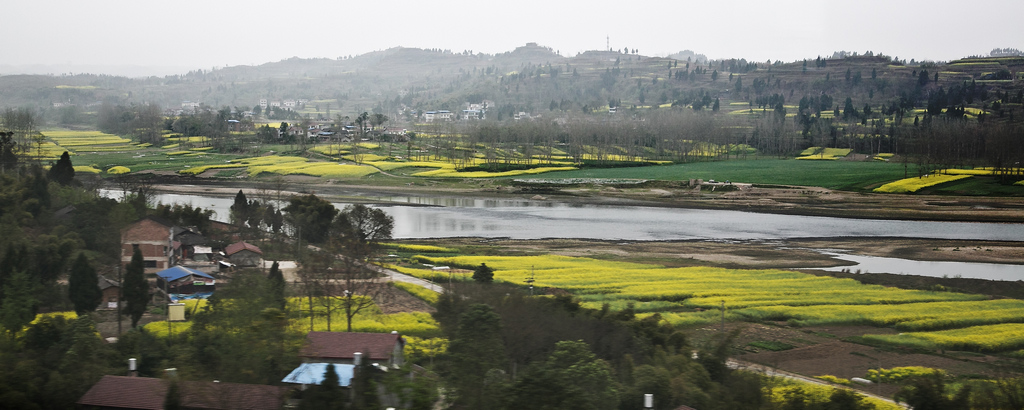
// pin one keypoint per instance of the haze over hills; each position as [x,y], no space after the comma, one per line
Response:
[531,78]
[542,54]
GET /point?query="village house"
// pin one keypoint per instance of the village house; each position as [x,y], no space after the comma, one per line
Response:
[189,106]
[441,115]
[522,115]
[244,254]
[122,392]
[384,349]
[153,237]
[164,244]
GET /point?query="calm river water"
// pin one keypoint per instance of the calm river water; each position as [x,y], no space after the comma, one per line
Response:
[447,217]
[528,219]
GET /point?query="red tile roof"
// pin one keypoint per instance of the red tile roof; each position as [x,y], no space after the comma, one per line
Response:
[126,392]
[209,395]
[240,246]
[343,345]
[149,393]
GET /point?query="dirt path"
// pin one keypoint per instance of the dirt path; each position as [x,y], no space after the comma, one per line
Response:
[773,372]
[401,277]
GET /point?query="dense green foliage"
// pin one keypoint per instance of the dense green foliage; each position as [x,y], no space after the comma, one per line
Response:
[311,217]
[483,274]
[52,364]
[83,286]
[570,357]
[62,172]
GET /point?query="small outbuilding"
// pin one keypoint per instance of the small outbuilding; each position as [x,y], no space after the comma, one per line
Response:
[185,281]
[111,292]
[244,254]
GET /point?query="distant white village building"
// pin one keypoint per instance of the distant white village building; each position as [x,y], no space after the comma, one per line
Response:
[441,115]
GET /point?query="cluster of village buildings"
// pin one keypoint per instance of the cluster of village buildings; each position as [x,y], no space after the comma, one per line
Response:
[471,112]
[186,265]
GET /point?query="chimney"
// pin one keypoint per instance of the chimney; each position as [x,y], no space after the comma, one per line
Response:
[132,367]
[357,358]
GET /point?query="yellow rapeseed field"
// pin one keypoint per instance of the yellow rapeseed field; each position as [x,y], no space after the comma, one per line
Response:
[691,287]
[816,395]
[87,169]
[987,338]
[452,173]
[908,185]
[693,296]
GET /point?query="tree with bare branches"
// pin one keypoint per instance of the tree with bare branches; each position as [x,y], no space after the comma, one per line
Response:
[357,233]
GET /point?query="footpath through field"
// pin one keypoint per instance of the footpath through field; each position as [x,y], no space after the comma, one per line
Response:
[773,372]
[401,277]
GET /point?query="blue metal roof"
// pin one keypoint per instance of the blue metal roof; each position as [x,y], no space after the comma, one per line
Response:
[178,272]
[313,373]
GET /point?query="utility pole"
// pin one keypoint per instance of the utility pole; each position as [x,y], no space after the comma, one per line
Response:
[120,290]
[530,281]
[722,328]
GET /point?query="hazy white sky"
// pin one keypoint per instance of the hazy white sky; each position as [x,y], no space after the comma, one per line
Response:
[214,33]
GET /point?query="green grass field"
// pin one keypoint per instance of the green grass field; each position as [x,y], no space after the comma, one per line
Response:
[845,175]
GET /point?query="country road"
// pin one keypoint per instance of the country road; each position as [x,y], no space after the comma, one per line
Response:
[773,372]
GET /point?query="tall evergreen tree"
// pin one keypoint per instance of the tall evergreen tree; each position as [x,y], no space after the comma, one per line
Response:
[135,288]
[276,279]
[240,209]
[62,172]
[83,286]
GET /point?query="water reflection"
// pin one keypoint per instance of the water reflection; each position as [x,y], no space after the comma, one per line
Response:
[530,219]
[554,220]
[875,264]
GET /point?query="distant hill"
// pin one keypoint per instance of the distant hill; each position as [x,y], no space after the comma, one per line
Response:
[533,79]
[687,55]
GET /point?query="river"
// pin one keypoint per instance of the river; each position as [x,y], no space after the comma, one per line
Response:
[447,217]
